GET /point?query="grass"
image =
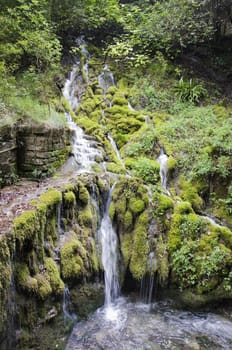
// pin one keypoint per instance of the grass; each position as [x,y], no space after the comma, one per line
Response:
[33,111]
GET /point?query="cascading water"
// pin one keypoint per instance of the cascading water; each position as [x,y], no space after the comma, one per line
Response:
[66,305]
[106,78]
[115,148]
[162,159]
[109,243]
[146,117]
[211,221]
[147,282]
[84,149]
[59,216]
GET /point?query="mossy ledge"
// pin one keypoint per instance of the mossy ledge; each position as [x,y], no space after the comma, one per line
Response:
[39,261]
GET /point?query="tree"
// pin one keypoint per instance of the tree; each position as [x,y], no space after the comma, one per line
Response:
[27,38]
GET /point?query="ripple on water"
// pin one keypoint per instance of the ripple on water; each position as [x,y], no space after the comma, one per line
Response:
[132,326]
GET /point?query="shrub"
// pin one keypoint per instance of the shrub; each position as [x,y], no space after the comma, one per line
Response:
[189,91]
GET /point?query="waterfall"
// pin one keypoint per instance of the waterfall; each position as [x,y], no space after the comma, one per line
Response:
[84,150]
[106,78]
[109,242]
[59,216]
[211,221]
[147,282]
[146,117]
[66,305]
[162,159]
[115,148]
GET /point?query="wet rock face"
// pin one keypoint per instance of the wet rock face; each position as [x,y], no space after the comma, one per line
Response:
[7,154]
[41,150]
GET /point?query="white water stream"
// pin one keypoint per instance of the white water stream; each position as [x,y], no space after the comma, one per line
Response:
[163,159]
[109,244]
[84,149]
[106,79]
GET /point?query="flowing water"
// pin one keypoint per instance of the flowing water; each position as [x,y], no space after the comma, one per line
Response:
[115,148]
[211,221]
[68,315]
[139,327]
[106,79]
[163,159]
[109,254]
[84,149]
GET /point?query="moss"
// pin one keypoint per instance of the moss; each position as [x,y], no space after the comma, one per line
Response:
[115,168]
[126,247]
[24,279]
[119,100]
[183,227]
[112,90]
[96,115]
[120,208]
[165,204]
[221,112]
[51,197]
[162,259]
[136,205]
[69,187]
[120,110]
[111,211]
[72,259]
[54,276]
[183,208]
[140,251]
[44,287]
[69,206]
[130,162]
[26,225]
[128,220]
[189,193]
[85,217]
[171,164]
[83,194]
[226,235]
[70,198]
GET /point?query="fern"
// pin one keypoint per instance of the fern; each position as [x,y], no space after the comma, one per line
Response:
[189,91]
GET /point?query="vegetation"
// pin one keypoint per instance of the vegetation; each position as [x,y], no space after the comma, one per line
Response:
[171,62]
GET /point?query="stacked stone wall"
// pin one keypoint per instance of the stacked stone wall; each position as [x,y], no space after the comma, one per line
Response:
[7,154]
[31,151]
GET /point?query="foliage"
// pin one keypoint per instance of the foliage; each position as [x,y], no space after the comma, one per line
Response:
[28,37]
[146,169]
[167,26]
[189,91]
[200,141]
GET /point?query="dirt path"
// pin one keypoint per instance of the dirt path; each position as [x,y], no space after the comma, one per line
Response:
[16,198]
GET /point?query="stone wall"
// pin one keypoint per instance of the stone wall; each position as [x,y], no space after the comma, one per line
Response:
[41,150]
[7,154]
[31,151]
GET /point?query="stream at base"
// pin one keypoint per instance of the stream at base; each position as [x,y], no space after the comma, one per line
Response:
[137,326]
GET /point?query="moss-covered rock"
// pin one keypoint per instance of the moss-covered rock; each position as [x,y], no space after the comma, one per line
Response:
[164,204]
[136,205]
[72,256]
[189,193]
[140,250]
[83,194]
[53,276]
[85,217]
